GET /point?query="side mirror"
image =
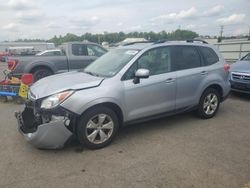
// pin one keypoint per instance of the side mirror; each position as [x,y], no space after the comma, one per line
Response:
[140,74]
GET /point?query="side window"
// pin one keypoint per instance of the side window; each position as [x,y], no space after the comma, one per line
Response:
[94,50]
[210,57]
[130,74]
[79,50]
[157,61]
[185,57]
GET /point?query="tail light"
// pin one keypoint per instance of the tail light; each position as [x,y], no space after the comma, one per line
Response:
[226,67]
[12,64]
[27,79]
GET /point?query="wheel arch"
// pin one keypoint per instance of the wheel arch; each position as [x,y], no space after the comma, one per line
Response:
[113,106]
[33,69]
[40,64]
[217,87]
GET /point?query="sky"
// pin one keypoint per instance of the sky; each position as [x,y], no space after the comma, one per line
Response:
[43,19]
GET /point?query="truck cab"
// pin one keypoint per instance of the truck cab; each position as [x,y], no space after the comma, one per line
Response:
[76,55]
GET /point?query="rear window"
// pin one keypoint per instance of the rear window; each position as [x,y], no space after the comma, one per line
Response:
[79,50]
[210,57]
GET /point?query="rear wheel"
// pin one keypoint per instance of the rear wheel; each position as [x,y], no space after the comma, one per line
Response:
[40,73]
[97,127]
[209,103]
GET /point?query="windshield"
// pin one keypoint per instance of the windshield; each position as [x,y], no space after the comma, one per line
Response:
[111,63]
[246,58]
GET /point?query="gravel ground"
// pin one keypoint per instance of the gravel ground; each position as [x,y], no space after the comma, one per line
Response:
[179,151]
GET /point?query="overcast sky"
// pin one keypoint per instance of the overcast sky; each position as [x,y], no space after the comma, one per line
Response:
[46,18]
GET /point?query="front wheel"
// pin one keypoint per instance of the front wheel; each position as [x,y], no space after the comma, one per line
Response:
[97,127]
[209,103]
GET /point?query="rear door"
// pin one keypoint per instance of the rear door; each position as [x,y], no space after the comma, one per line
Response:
[187,63]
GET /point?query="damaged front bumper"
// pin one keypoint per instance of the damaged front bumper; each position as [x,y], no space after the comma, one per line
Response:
[41,133]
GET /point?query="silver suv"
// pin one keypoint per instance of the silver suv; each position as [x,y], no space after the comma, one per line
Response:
[133,83]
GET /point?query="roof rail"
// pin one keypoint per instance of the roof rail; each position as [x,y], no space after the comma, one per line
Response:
[160,41]
[197,40]
[131,43]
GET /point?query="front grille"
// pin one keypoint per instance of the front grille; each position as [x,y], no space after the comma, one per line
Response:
[30,122]
[241,77]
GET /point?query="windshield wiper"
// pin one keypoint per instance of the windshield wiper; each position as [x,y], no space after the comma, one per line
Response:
[88,73]
[91,73]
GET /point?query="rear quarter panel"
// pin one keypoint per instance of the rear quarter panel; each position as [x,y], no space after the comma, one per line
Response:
[216,76]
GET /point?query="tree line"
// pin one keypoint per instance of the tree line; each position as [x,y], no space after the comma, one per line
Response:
[119,36]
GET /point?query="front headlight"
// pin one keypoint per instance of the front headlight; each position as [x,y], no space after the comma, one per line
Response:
[54,100]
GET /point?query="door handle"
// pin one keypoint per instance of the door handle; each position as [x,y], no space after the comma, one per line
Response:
[204,72]
[169,80]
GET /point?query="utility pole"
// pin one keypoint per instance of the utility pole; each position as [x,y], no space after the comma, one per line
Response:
[249,34]
[221,30]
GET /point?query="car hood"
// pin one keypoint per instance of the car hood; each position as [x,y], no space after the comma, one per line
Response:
[241,66]
[62,82]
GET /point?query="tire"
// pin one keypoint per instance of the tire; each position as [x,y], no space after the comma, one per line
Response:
[97,127]
[209,103]
[40,73]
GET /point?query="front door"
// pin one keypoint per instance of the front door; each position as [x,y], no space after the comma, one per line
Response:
[155,94]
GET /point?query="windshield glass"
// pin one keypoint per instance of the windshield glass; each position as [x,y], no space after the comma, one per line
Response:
[246,58]
[111,63]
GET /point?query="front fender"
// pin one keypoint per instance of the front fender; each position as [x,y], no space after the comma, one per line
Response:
[79,107]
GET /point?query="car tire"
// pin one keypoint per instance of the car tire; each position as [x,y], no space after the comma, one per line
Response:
[97,127]
[209,103]
[40,73]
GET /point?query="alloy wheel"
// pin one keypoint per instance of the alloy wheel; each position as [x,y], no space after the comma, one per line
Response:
[210,103]
[99,128]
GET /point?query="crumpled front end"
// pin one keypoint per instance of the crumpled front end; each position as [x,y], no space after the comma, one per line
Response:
[44,130]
